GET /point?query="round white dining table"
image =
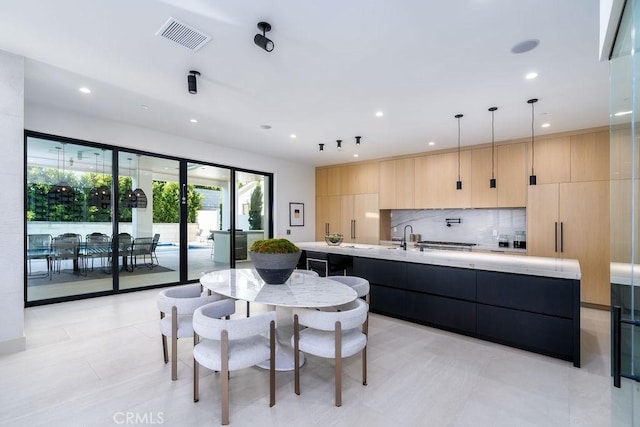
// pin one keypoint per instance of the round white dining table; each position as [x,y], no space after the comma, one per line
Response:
[300,290]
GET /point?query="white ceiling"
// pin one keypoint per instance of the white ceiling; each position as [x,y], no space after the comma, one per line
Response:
[335,64]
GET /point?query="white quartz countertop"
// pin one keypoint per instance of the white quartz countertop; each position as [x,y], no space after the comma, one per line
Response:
[506,263]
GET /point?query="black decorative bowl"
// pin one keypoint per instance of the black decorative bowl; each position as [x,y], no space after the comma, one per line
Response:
[274,269]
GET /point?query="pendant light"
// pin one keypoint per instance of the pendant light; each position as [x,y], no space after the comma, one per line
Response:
[94,193]
[492,181]
[103,190]
[134,198]
[61,193]
[100,196]
[458,182]
[532,177]
[140,199]
[127,197]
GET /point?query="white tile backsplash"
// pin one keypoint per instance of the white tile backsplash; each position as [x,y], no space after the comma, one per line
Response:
[479,226]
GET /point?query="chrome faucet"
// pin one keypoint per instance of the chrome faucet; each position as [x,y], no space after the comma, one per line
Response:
[404,236]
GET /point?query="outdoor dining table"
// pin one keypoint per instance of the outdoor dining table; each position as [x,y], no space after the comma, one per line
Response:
[300,290]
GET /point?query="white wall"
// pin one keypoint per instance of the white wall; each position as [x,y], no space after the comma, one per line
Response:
[12,225]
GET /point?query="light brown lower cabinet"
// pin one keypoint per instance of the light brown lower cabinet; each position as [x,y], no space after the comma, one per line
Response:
[571,220]
[360,219]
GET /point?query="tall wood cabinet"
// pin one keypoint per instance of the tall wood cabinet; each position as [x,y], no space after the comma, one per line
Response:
[360,218]
[571,220]
[568,212]
[347,202]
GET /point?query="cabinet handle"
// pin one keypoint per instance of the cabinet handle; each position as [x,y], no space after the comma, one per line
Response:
[555,240]
[326,228]
[562,237]
[354,228]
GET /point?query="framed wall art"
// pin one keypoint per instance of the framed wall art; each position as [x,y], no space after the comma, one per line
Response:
[296,214]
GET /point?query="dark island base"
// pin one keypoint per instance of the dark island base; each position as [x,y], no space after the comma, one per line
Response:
[533,313]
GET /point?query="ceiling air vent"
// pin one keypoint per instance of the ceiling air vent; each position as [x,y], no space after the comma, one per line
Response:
[183,34]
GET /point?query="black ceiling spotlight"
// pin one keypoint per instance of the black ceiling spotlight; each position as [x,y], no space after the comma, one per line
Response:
[358,140]
[261,40]
[339,141]
[532,177]
[321,147]
[191,81]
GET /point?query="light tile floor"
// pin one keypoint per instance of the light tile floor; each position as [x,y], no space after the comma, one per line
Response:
[98,362]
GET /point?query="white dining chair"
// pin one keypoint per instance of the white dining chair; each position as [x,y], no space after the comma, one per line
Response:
[230,345]
[307,272]
[358,284]
[331,334]
[176,306]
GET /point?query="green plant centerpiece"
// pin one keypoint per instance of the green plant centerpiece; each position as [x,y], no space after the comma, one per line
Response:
[274,259]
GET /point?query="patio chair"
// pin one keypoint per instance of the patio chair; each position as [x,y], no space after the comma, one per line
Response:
[143,247]
[64,247]
[39,247]
[98,245]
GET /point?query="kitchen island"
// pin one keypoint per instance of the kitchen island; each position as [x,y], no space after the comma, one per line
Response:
[532,303]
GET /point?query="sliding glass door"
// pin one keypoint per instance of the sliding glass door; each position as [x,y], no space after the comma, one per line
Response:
[625,219]
[148,221]
[162,221]
[252,220]
[68,199]
[208,212]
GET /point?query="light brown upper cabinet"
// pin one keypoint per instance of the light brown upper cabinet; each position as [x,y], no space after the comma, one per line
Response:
[322,183]
[448,196]
[435,181]
[590,157]
[426,182]
[361,178]
[482,195]
[334,181]
[552,160]
[511,175]
[387,184]
[396,186]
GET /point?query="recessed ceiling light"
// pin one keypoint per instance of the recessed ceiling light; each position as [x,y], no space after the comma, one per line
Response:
[144,107]
[265,126]
[85,90]
[532,75]
[431,143]
[622,113]
[193,121]
[379,114]
[545,125]
[356,155]
[525,46]
[292,136]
